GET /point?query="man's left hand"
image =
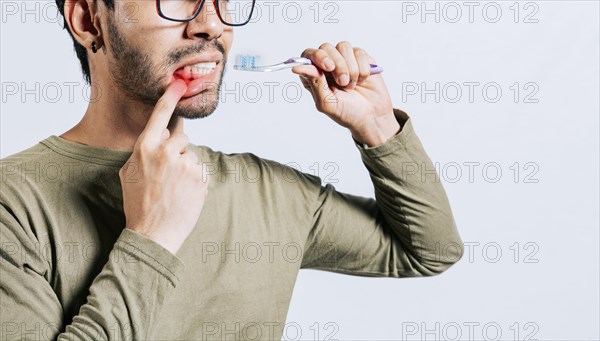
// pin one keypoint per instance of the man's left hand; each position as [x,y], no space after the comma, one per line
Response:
[343,89]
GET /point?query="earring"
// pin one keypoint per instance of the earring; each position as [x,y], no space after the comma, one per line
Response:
[94,49]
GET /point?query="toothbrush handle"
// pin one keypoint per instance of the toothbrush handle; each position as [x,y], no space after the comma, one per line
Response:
[375,69]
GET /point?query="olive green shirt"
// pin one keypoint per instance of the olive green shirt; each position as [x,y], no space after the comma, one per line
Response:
[70,270]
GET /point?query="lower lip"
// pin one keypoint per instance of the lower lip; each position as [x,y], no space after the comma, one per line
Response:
[200,84]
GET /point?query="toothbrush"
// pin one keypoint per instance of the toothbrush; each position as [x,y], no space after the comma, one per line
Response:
[250,63]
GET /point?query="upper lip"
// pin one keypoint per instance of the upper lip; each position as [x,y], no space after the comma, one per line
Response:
[215,56]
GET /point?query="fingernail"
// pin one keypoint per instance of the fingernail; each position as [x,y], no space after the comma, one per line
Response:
[329,63]
[344,79]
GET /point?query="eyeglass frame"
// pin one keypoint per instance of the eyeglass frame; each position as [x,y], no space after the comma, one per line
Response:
[199,9]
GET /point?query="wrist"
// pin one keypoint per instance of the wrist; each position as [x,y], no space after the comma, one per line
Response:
[378,131]
[170,244]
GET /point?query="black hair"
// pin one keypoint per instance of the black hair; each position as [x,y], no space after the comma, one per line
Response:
[80,50]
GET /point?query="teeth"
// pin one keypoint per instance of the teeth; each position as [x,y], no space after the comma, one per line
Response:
[210,65]
[203,68]
[198,70]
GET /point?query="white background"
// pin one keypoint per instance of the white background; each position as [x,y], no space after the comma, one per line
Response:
[544,219]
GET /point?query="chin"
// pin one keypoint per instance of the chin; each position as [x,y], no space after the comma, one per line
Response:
[196,106]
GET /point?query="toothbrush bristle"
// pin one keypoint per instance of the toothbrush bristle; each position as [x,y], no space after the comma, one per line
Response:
[246,62]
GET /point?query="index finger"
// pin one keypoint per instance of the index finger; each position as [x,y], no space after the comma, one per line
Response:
[320,58]
[159,119]
[175,125]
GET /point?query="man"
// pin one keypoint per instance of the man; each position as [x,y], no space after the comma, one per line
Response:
[121,229]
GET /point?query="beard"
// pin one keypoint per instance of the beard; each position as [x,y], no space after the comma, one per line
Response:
[140,80]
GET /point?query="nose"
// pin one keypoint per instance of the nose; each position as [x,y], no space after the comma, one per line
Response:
[207,24]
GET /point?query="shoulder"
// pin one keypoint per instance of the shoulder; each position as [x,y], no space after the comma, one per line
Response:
[35,155]
[22,171]
[253,170]
[21,174]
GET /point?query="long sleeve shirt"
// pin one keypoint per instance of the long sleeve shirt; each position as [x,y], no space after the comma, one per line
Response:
[70,270]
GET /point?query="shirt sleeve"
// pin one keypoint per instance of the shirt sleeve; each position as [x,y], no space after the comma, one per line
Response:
[124,299]
[408,230]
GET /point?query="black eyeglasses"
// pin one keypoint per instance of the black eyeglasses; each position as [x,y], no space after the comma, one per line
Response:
[230,12]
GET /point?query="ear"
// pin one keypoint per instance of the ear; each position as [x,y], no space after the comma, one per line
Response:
[82,18]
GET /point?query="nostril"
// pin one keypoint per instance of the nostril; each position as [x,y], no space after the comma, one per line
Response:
[202,35]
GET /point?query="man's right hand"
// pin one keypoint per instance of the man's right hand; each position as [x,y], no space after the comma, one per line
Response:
[164,187]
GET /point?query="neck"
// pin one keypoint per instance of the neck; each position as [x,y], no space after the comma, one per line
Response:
[112,121]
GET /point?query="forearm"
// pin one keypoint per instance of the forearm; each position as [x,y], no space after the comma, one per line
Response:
[412,200]
[126,297]
[123,302]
